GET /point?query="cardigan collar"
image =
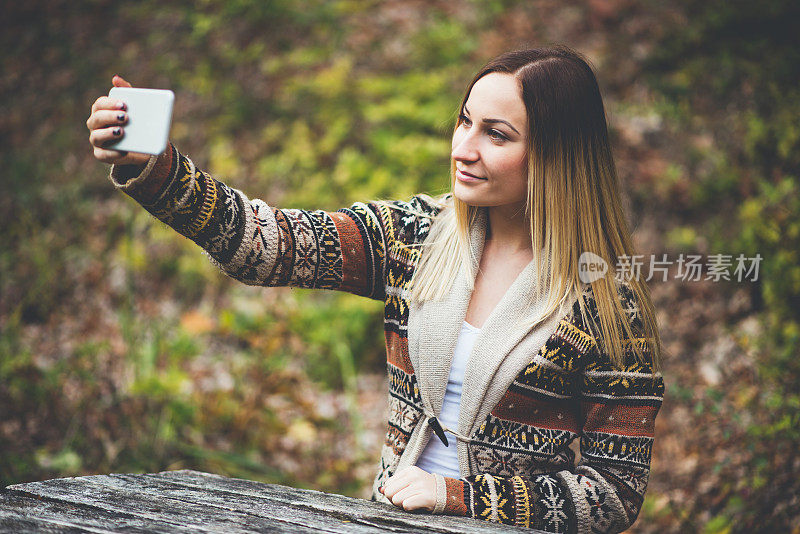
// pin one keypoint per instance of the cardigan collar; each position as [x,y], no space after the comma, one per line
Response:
[433,329]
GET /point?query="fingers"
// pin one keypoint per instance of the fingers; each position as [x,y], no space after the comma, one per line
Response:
[398,481]
[119,81]
[104,118]
[102,137]
[110,156]
[120,157]
[106,125]
[413,496]
[411,488]
[400,497]
[100,140]
[417,501]
[106,102]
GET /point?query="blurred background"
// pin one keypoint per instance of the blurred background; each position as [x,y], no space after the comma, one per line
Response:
[123,350]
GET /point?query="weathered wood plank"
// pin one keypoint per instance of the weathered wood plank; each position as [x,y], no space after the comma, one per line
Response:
[377,514]
[21,513]
[262,506]
[191,501]
[155,509]
[12,524]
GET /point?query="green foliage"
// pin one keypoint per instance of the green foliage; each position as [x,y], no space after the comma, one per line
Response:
[734,65]
[718,525]
[342,333]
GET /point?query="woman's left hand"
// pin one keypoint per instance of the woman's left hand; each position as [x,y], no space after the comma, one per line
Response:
[411,488]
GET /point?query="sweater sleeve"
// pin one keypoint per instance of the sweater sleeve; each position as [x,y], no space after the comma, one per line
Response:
[605,491]
[261,245]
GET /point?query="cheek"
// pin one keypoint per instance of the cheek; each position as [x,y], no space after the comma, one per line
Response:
[514,167]
[515,177]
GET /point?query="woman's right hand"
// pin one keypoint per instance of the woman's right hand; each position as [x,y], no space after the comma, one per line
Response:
[106,124]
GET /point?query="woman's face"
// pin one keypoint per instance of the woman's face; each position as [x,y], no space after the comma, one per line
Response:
[490,144]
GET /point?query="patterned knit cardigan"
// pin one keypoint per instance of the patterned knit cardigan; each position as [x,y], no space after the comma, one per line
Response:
[526,396]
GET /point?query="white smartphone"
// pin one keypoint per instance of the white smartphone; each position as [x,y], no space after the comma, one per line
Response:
[149,118]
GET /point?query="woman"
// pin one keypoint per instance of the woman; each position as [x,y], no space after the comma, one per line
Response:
[493,341]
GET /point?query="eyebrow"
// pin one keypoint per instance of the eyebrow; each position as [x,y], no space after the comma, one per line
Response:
[494,121]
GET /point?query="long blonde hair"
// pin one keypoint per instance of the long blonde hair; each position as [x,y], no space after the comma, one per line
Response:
[573,201]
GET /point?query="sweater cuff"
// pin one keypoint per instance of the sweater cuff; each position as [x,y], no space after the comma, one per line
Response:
[146,186]
[454,497]
[441,494]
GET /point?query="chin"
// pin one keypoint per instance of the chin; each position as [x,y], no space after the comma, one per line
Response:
[478,198]
[470,195]
[475,197]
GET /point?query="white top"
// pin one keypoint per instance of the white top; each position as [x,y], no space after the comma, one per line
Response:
[436,458]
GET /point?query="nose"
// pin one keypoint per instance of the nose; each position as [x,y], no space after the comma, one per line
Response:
[464,148]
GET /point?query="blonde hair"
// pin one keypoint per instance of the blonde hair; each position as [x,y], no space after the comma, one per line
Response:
[573,200]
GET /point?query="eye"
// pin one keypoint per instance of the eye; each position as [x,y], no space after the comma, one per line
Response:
[496,135]
[463,119]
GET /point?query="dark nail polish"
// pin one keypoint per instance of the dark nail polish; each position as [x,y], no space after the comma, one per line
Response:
[121,105]
[117,131]
[121,117]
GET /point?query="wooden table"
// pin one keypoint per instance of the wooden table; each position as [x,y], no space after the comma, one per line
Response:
[191,501]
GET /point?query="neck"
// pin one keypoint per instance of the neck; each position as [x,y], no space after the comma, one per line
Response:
[508,229]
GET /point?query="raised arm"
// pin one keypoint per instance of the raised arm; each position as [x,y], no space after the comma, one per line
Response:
[256,243]
[249,240]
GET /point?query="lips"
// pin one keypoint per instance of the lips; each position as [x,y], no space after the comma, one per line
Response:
[468,176]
